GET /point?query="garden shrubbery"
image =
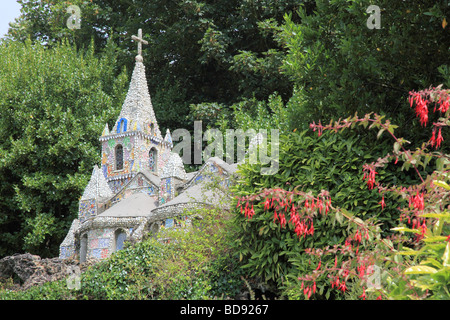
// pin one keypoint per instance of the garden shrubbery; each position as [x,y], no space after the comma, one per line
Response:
[331,162]
[196,263]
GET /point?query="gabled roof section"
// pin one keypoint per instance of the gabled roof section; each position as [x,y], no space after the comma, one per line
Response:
[210,166]
[174,167]
[136,205]
[137,108]
[97,187]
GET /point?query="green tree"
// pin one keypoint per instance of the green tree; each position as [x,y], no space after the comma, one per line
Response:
[198,52]
[310,163]
[54,104]
[343,67]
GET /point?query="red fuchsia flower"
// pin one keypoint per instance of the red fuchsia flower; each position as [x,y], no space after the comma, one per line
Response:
[307,292]
[267,204]
[448,238]
[282,219]
[423,228]
[318,127]
[383,204]
[248,212]
[348,243]
[362,270]
[421,107]
[335,282]
[306,204]
[433,137]
[358,236]
[370,176]
[363,294]
[418,201]
[444,103]
[311,229]
[318,267]
[439,139]
[343,287]
[328,205]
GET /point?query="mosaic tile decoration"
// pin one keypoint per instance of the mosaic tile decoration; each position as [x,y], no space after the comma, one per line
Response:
[144,163]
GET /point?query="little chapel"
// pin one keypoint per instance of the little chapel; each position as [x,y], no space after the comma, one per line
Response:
[140,185]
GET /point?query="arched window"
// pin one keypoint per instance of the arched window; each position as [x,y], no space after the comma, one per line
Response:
[119,238]
[119,157]
[153,159]
[122,125]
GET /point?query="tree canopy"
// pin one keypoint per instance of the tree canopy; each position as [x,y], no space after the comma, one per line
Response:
[199,51]
[229,63]
[54,104]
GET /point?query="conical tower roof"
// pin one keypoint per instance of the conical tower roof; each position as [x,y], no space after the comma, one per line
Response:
[137,108]
[97,187]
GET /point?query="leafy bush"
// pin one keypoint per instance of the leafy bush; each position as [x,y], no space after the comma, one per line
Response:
[194,262]
[126,275]
[50,121]
[331,162]
[55,290]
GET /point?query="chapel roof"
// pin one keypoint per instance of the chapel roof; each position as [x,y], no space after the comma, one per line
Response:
[136,205]
[97,187]
[199,193]
[174,167]
[137,107]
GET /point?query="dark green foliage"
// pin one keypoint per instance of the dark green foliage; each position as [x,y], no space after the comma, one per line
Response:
[54,104]
[128,274]
[344,67]
[331,162]
[198,264]
[199,51]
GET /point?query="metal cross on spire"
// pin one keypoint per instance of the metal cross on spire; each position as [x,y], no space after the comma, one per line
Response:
[140,41]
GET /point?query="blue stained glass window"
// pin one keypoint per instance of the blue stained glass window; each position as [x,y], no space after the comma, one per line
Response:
[122,125]
[120,239]
[152,159]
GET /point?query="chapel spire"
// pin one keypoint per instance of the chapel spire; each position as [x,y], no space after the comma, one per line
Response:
[137,110]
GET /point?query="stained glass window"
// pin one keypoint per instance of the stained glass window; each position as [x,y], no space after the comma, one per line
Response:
[119,157]
[122,125]
[152,159]
[121,236]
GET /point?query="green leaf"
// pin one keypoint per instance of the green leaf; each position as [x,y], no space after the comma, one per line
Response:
[408,252]
[436,215]
[420,270]
[339,217]
[432,261]
[441,184]
[396,147]
[434,239]
[404,229]
[446,256]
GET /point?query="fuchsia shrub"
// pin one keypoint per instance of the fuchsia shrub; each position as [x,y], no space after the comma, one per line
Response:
[425,217]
